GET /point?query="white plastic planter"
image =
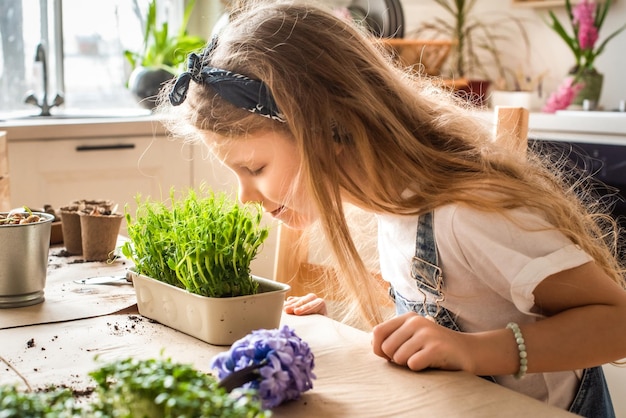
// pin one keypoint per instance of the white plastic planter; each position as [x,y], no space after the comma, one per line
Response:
[217,321]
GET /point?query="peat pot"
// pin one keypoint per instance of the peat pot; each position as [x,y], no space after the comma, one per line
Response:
[217,321]
[24,262]
[99,235]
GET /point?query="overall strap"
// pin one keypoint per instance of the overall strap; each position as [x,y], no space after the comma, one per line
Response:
[429,276]
[426,258]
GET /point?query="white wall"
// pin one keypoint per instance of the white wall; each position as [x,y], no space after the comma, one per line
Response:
[550,53]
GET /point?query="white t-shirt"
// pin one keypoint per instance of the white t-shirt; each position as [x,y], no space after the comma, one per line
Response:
[490,268]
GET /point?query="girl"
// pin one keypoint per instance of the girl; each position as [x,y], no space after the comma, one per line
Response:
[497,266]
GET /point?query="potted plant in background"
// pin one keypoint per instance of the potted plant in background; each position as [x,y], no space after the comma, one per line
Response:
[162,55]
[192,267]
[477,59]
[584,81]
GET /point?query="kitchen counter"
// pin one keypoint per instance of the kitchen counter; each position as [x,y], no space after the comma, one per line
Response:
[573,126]
[84,127]
[580,126]
[606,127]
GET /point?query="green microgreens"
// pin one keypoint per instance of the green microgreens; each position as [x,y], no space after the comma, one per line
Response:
[202,244]
[162,388]
[132,388]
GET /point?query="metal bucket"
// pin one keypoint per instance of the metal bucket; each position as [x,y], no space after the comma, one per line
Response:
[24,262]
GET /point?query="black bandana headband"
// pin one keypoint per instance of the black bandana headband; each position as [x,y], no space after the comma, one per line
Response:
[239,90]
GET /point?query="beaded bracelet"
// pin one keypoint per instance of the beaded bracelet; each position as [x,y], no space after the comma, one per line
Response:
[521,346]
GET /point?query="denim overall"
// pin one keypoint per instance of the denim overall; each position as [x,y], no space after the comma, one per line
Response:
[592,399]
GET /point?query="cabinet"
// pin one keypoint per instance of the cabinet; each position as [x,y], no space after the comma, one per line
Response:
[58,162]
[115,168]
[605,162]
[208,170]
[57,171]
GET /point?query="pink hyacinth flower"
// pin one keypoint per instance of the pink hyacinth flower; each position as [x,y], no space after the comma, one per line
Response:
[563,96]
[588,33]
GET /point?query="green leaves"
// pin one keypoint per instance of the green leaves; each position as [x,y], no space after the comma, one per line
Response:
[161,388]
[204,244]
[482,41]
[132,388]
[162,49]
[53,402]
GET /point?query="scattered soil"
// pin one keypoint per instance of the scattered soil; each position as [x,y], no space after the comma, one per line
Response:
[76,393]
[120,329]
[62,253]
[75,383]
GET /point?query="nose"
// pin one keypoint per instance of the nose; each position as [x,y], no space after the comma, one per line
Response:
[249,193]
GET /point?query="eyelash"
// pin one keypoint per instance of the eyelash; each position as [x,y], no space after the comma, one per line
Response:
[255,172]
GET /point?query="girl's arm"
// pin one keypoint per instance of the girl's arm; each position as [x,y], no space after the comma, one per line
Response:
[585,326]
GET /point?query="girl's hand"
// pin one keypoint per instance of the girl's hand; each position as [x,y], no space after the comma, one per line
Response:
[305,305]
[419,343]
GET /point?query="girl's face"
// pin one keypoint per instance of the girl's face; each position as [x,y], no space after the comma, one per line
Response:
[266,166]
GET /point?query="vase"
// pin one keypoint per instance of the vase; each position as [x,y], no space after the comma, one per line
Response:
[475,92]
[145,84]
[217,321]
[592,87]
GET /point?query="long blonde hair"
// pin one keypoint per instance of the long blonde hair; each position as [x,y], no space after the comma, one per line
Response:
[398,131]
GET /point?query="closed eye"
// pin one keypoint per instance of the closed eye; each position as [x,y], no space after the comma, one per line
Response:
[254,172]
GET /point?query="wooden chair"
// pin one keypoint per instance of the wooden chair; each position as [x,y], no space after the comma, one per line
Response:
[512,127]
[300,260]
[292,262]
[5,195]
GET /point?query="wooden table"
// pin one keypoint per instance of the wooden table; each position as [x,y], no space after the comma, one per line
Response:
[48,345]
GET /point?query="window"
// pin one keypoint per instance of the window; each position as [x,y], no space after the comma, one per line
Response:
[84,41]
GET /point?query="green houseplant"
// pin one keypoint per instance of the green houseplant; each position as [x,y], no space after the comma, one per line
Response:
[162,55]
[196,254]
[477,57]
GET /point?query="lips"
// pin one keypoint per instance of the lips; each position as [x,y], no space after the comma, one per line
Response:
[277,212]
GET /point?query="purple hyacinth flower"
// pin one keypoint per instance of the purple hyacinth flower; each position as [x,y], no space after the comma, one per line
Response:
[282,364]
